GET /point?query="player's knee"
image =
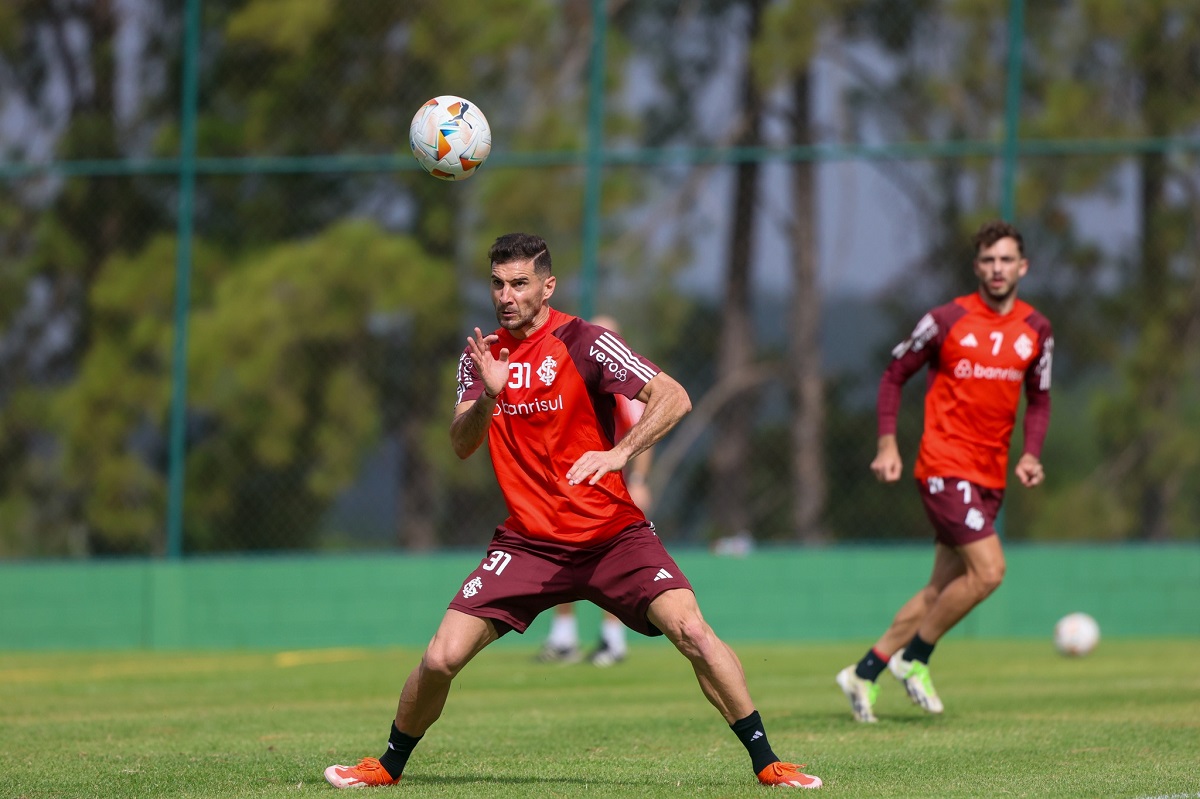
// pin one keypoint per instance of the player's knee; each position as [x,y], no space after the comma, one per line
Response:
[441,662]
[694,638]
[990,577]
[930,594]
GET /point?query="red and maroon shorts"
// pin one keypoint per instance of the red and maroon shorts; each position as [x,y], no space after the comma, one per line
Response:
[521,577]
[961,511]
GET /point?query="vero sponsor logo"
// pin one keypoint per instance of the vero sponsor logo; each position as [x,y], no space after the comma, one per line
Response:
[616,357]
[608,363]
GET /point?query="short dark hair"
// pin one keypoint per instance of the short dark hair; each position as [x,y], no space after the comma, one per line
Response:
[521,247]
[991,232]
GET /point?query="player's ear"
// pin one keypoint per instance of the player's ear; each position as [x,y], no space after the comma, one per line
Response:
[548,288]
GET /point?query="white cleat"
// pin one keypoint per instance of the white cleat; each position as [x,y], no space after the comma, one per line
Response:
[861,694]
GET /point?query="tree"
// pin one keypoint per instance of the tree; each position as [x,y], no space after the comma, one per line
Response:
[284,384]
[1148,423]
[699,36]
[59,76]
[731,452]
[786,55]
[352,91]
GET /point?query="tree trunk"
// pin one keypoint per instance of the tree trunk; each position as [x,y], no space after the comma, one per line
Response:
[415,502]
[1160,390]
[809,489]
[730,456]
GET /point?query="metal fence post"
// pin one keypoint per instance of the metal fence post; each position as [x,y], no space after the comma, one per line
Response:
[1012,107]
[595,163]
[183,277]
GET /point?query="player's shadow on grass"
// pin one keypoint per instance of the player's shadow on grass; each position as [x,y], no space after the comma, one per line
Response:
[884,721]
[475,779]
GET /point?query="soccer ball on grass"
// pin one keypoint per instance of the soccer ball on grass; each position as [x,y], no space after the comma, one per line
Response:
[1076,634]
[450,137]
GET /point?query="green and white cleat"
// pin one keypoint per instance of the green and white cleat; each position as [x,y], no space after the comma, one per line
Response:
[918,683]
[860,692]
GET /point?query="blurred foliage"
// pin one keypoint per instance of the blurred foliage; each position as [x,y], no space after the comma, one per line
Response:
[329,301]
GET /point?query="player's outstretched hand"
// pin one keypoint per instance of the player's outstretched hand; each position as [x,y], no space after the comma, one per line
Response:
[1029,470]
[493,371]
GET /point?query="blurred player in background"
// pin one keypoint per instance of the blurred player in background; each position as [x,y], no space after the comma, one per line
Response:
[562,644]
[540,391]
[980,349]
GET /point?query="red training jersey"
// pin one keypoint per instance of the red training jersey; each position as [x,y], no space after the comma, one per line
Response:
[978,360]
[559,403]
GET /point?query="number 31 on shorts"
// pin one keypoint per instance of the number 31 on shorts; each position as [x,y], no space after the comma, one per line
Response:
[496,563]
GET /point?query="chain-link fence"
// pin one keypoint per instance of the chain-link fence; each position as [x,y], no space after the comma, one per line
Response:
[232,304]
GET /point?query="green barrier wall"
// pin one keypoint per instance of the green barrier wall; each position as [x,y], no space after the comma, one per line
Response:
[397,600]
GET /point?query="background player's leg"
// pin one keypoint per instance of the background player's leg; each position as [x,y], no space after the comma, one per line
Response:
[612,647]
[562,644]
[948,566]
[858,681]
[983,571]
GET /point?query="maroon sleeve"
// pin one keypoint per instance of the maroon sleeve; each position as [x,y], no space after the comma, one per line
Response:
[470,387]
[604,360]
[887,404]
[908,357]
[1037,389]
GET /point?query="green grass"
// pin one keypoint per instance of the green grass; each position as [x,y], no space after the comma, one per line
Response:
[1020,721]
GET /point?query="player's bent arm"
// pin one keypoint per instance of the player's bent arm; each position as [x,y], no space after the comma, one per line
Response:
[469,427]
[1037,421]
[666,403]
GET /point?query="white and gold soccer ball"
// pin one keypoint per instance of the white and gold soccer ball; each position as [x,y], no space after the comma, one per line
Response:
[450,137]
[1076,634]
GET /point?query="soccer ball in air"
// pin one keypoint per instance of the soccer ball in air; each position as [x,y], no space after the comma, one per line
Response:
[450,137]
[1076,634]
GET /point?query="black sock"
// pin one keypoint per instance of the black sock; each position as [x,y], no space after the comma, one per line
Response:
[399,747]
[919,649]
[752,735]
[872,665]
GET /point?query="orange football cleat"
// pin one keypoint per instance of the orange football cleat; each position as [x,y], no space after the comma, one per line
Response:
[787,775]
[368,773]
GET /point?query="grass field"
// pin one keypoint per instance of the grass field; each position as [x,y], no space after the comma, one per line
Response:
[1020,721]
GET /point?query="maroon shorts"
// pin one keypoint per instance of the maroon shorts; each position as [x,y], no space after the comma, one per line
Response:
[961,511]
[520,577]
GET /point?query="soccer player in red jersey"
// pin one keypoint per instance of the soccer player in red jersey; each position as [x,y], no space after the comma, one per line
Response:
[981,350]
[540,391]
